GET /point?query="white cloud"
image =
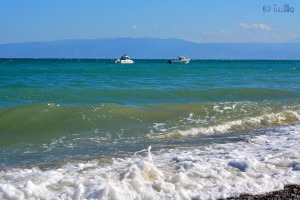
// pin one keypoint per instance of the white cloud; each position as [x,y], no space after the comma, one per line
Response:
[134,27]
[262,27]
[217,33]
[245,26]
[247,33]
[291,37]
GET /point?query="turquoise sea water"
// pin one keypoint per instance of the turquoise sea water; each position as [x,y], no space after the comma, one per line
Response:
[84,107]
[55,111]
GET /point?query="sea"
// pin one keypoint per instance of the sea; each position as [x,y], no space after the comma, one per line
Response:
[93,129]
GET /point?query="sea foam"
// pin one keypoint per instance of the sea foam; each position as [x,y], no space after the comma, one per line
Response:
[260,164]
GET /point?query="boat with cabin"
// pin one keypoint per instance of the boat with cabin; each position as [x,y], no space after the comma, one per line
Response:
[181,59]
[124,60]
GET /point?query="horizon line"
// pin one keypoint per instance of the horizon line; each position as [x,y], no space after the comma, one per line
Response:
[195,59]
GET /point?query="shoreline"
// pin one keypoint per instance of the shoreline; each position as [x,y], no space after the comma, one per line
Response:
[289,192]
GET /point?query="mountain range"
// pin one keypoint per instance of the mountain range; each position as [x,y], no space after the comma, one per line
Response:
[149,48]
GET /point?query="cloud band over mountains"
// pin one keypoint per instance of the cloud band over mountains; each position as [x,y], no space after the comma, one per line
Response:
[262,27]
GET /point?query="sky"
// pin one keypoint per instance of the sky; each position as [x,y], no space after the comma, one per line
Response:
[203,21]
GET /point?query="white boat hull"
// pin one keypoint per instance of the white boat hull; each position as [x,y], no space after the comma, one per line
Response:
[118,61]
[186,61]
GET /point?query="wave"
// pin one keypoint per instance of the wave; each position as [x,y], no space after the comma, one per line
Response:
[111,123]
[245,124]
[219,118]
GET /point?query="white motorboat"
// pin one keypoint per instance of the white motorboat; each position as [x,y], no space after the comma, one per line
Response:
[181,59]
[124,60]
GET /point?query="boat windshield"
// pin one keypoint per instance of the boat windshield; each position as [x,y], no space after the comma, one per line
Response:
[125,57]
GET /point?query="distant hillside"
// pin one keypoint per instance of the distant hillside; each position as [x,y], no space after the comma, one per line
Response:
[139,48]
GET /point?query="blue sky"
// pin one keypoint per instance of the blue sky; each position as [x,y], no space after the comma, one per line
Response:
[193,20]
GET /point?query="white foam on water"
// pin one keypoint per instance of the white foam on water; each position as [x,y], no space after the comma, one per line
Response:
[261,164]
[246,123]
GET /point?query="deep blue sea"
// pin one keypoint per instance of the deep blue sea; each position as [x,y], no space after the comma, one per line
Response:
[93,129]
